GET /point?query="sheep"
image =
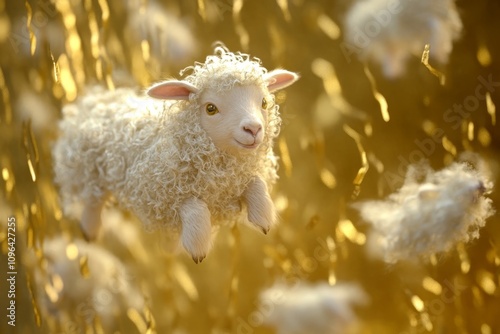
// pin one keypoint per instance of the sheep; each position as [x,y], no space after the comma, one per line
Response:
[78,282]
[311,308]
[193,153]
[389,31]
[430,213]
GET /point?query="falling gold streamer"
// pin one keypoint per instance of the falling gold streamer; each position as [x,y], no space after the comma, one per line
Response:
[425,61]
[6,98]
[238,25]
[29,15]
[384,107]
[285,156]
[492,110]
[364,161]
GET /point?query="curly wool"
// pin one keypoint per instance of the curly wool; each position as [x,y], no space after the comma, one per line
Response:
[152,155]
[431,213]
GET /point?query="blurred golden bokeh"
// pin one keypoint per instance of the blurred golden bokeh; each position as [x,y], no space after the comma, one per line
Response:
[348,135]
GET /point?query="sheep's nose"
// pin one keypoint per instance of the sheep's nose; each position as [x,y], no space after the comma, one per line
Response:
[252,128]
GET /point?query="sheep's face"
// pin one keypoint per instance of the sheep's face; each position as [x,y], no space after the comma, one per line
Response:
[235,119]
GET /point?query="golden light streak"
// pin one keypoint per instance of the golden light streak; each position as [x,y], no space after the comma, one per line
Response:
[425,61]
[137,319]
[31,149]
[329,27]
[464,258]
[36,311]
[72,251]
[29,16]
[449,146]
[384,107]
[202,10]
[486,329]
[73,45]
[283,4]
[349,230]
[285,156]
[67,82]
[432,285]
[483,56]
[364,161]
[5,98]
[185,281]
[104,10]
[486,281]
[145,50]
[328,178]
[84,266]
[470,131]
[417,303]
[490,106]
[238,24]
[484,137]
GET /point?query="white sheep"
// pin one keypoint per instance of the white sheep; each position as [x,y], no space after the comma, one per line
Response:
[390,31]
[77,282]
[430,213]
[184,165]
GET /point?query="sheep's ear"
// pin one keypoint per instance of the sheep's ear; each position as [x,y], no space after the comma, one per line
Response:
[279,79]
[172,90]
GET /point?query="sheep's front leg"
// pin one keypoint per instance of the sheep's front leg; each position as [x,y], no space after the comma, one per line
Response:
[196,233]
[261,210]
[91,218]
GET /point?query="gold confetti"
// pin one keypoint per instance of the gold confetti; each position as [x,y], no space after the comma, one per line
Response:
[464,258]
[28,25]
[425,61]
[329,27]
[417,303]
[486,281]
[483,56]
[137,319]
[492,110]
[348,229]
[384,107]
[470,131]
[449,146]
[285,156]
[432,285]
[484,137]
[185,281]
[283,4]
[72,251]
[328,178]
[364,161]
[84,266]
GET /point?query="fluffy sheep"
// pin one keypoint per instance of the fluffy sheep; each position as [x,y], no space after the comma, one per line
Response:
[77,282]
[430,213]
[390,31]
[190,155]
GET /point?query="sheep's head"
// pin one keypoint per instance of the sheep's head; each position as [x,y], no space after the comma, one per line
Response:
[233,97]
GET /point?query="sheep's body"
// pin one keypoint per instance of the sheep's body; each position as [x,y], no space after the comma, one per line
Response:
[75,299]
[389,31]
[430,213]
[158,160]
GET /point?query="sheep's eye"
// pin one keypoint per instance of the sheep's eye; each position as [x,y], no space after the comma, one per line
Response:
[211,109]
[264,103]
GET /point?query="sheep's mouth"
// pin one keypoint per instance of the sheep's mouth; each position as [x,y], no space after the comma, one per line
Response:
[254,145]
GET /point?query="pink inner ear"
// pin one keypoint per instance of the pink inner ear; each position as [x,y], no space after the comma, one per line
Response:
[280,79]
[171,90]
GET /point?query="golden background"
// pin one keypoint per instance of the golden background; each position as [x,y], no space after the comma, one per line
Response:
[337,146]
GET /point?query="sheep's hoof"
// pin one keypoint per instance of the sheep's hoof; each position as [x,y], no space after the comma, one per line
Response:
[198,259]
[264,230]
